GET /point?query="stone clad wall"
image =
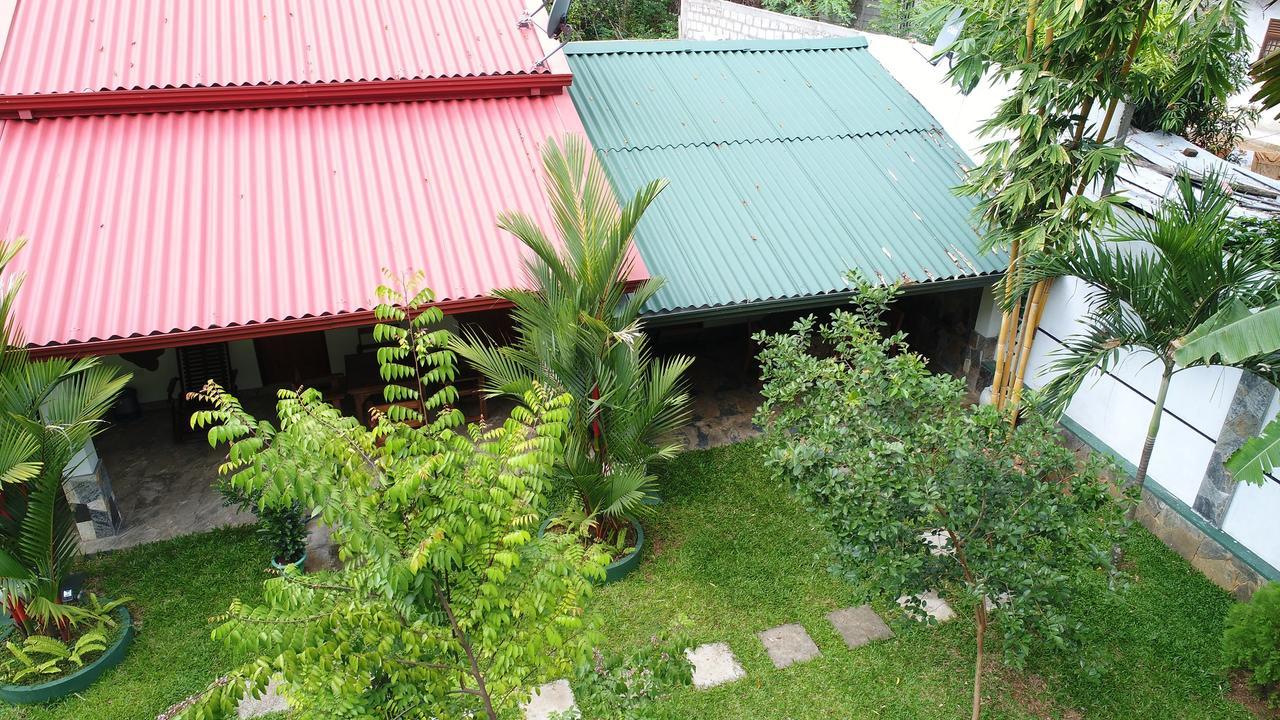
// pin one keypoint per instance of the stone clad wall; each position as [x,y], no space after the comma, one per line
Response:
[1209,550]
[723,20]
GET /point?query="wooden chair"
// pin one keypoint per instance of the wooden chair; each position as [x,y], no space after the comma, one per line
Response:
[197,365]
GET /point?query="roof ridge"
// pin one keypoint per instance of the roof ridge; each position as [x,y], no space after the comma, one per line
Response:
[792,138]
[280,95]
[637,47]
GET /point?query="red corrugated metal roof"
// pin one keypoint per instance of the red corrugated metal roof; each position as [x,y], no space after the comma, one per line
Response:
[211,222]
[72,46]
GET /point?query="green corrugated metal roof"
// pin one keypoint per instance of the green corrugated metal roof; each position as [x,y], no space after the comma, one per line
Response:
[790,162]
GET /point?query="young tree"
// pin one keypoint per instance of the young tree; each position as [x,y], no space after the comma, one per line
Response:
[49,409]
[579,330]
[924,494]
[1152,285]
[448,604]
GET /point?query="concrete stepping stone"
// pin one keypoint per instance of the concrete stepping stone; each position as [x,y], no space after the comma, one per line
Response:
[549,699]
[714,664]
[939,542]
[934,606]
[788,644]
[271,701]
[859,625]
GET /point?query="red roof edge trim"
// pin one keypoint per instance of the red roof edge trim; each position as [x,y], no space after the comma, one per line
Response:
[242,97]
[160,341]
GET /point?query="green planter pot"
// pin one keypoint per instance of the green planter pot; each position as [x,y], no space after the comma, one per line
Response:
[621,567]
[300,563]
[78,680]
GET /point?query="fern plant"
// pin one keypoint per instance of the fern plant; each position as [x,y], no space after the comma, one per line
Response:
[41,658]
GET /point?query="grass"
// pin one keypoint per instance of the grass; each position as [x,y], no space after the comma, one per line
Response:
[177,586]
[736,554]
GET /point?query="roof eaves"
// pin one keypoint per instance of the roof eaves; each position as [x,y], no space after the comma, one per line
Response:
[812,300]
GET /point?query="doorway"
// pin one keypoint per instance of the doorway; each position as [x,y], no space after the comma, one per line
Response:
[292,359]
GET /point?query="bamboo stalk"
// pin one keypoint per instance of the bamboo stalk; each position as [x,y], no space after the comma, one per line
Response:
[1006,327]
[1035,311]
[1035,305]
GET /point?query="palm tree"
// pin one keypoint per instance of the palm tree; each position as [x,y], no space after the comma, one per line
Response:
[1152,285]
[578,329]
[49,409]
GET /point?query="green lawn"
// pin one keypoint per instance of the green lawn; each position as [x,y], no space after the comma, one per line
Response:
[177,586]
[736,554]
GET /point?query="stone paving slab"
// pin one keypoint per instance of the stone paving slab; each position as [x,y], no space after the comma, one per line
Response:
[788,644]
[714,664]
[271,701]
[549,699]
[939,542]
[934,606]
[859,625]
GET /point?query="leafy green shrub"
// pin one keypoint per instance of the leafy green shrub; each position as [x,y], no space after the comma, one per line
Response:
[834,11]
[623,19]
[448,603]
[1251,641]
[922,493]
[626,687]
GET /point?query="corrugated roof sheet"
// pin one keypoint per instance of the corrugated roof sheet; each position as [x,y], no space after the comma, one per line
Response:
[192,221]
[72,46]
[790,163]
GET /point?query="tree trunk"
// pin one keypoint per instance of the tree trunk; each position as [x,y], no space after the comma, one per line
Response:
[977,665]
[477,675]
[1153,428]
[1140,477]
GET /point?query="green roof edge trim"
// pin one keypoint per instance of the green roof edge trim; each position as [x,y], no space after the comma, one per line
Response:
[1230,544]
[807,302]
[615,47]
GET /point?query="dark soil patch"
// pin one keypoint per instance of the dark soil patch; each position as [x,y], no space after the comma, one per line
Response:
[1244,693]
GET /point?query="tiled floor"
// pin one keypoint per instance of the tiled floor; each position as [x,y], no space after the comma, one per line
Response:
[165,488]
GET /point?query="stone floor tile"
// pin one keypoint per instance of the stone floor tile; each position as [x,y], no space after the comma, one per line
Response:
[714,664]
[549,699]
[788,644]
[859,625]
[934,606]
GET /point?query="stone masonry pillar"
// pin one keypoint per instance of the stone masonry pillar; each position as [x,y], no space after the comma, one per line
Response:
[1245,419]
[88,489]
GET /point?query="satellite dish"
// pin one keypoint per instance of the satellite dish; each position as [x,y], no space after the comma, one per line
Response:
[948,35]
[556,17]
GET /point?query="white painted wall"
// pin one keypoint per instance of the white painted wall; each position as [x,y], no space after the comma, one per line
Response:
[1113,408]
[1256,16]
[153,385]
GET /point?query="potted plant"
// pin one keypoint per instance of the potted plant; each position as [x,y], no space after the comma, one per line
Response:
[283,528]
[578,331]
